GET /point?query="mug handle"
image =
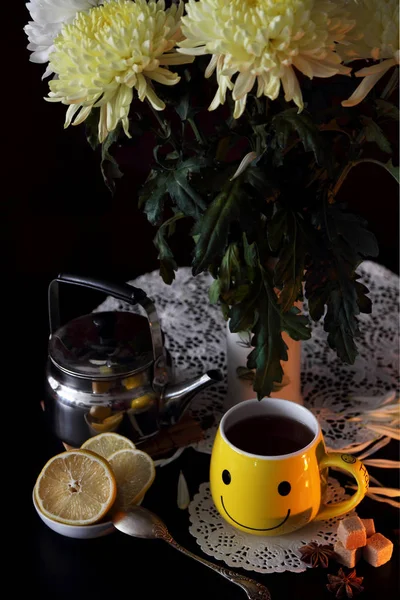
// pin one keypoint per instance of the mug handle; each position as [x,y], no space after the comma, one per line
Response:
[351,464]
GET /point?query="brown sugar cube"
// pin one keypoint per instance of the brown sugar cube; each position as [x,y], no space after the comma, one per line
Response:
[348,558]
[378,550]
[351,532]
[369,527]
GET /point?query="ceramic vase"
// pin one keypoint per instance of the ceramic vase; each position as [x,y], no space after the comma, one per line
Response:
[241,388]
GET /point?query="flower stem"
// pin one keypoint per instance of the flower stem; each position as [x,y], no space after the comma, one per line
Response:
[167,133]
[196,132]
[341,179]
[348,168]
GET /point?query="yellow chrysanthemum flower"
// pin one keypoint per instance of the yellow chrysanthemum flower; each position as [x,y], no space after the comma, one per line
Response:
[376,36]
[262,40]
[110,50]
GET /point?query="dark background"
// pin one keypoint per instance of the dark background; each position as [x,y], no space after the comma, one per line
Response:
[57,215]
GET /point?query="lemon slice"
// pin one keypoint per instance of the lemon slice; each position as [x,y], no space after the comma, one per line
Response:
[134,472]
[108,443]
[77,487]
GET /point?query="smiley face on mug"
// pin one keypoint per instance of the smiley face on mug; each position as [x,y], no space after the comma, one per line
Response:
[265,498]
[269,468]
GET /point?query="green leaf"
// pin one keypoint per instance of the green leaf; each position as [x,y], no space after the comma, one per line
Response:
[250,256]
[289,269]
[261,132]
[290,121]
[183,106]
[109,166]
[269,347]
[168,265]
[277,387]
[373,133]
[316,299]
[331,282]
[213,228]
[236,294]
[152,195]
[212,178]
[340,320]
[225,310]
[257,178]
[363,301]
[317,281]
[156,150]
[296,325]
[387,109]
[345,298]
[91,127]
[261,189]
[348,234]
[243,315]
[180,190]
[174,155]
[261,313]
[277,226]
[233,285]
[214,291]
[174,182]
[245,373]
[230,267]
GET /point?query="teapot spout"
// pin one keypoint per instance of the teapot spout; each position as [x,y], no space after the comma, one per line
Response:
[177,397]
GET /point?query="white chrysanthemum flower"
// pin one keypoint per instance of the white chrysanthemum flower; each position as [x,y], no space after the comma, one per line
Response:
[110,50]
[376,36]
[263,41]
[48,18]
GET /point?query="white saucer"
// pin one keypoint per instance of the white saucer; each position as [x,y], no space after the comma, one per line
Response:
[81,532]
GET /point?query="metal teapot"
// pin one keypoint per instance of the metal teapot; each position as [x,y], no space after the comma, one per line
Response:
[110,371]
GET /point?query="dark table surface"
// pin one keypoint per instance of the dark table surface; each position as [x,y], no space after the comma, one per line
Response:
[40,562]
[117,566]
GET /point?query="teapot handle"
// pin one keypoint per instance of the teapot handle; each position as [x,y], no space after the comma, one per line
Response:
[127,293]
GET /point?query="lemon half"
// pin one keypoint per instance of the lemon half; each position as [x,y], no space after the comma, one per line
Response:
[77,487]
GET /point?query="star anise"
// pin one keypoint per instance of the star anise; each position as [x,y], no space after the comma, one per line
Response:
[345,585]
[316,555]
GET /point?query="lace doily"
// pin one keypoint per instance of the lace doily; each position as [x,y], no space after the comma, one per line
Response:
[195,334]
[257,553]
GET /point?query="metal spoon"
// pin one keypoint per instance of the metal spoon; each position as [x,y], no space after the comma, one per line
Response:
[142,523]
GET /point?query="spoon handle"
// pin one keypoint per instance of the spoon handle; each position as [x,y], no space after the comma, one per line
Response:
[253,589]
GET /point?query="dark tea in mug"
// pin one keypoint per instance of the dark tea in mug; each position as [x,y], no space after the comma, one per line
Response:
[269,435]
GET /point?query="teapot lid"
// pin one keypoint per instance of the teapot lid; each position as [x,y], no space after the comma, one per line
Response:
[103,345]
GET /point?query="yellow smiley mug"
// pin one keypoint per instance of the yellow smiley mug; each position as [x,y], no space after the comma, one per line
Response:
[269,468]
